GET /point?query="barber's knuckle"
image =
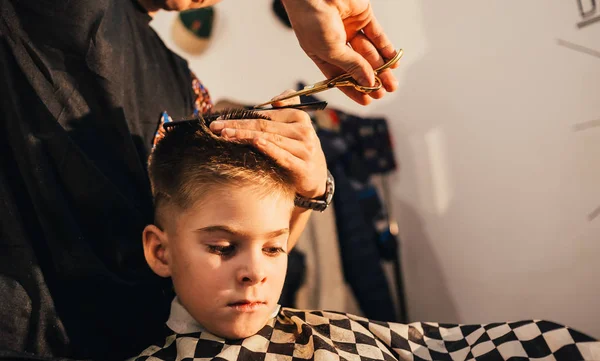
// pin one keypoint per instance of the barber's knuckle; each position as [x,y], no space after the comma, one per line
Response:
[306,119]
[378,36]
[285,161]
[263,125]
[305,153]
[295,114]
[249,134]
[353,68]
[372,53]
[241,124]
[234,124]
[241,133]
[305,132]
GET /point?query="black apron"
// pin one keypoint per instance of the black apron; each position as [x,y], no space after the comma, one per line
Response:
[82,86]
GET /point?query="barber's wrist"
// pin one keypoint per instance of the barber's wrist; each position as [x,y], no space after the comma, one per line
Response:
[319,200]
[317,193]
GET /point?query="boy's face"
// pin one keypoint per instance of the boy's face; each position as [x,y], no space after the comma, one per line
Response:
[227,256]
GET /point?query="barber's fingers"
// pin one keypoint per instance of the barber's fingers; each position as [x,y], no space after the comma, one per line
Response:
[282,156]
[364,47]
[330,71]
[289,138]
[292,130]
[297,148]
[287,116]
[350,61]
[374,32]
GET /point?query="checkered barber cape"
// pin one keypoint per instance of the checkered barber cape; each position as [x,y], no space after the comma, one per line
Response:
[295,335]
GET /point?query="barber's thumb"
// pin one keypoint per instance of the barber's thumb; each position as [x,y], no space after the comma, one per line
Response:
[356,65]
[290,101]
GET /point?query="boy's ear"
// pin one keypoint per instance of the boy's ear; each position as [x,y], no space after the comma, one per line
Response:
[155,250]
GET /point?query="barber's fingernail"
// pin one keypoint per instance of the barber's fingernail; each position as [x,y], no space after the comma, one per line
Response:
[229,132]
[364,81]
[261,141]
[217,125]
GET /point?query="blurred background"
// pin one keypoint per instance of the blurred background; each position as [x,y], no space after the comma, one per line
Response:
[493,190]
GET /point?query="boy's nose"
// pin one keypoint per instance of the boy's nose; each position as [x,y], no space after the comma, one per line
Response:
[252,276]
[252,272]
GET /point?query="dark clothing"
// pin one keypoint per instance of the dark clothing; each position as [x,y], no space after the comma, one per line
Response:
[356,236]
[82,86]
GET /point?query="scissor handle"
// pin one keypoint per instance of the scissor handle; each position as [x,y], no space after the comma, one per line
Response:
[390,62]
[349,81]
[339,81]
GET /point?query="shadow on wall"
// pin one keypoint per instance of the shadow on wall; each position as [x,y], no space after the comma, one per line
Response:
[416,188]
[426,291]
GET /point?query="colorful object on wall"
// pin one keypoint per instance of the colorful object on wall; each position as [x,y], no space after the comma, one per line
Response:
[192,29]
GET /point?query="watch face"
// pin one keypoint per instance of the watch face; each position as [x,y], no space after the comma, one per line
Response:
[330,188]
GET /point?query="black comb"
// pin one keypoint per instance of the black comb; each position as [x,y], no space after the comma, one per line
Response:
[247,113]
[317,105]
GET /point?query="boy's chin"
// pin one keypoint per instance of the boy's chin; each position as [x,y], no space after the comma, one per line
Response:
[241,330]
[245,331]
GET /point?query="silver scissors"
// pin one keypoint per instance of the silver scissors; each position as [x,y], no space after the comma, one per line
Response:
[340,81]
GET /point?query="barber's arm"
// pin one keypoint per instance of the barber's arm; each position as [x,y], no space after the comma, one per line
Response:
[324,29]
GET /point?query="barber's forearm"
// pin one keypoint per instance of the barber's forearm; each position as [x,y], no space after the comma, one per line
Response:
[300,217]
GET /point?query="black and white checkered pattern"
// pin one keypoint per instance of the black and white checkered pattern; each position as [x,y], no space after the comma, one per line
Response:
[330,336]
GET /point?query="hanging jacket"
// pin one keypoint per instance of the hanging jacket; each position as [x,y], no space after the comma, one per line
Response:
[361,261]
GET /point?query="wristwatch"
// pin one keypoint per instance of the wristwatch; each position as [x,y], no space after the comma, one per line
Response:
[318,204]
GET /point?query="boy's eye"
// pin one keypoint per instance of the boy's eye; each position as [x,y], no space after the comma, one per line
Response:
[221,250]
[273,251]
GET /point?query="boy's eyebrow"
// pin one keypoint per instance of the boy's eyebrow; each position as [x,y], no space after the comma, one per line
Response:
[234,232]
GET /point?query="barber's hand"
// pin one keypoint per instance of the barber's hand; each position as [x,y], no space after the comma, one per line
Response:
[325,27]
[289,138]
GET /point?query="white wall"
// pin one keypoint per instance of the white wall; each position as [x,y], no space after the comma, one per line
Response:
[497,188]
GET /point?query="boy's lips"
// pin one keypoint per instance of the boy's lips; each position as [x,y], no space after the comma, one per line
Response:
[247,305]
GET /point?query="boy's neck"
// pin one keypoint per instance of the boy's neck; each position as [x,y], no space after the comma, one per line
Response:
[180,321]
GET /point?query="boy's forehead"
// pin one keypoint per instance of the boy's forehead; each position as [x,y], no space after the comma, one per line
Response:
[239,210]
[238,196]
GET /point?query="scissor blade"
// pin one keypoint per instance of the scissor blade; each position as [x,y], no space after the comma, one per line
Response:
[307,90]
[318,105]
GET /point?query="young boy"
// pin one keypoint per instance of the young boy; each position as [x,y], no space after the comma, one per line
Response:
[221,230]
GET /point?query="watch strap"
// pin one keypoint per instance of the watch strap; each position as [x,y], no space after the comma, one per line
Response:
[318,204]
